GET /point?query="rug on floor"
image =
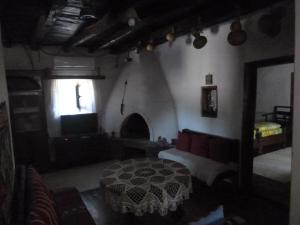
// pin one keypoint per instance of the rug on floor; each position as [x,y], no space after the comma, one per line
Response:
[255,211]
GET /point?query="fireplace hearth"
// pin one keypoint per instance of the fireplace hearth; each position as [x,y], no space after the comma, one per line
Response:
[135,127]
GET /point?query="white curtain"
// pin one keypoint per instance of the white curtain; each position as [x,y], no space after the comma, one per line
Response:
[60,99]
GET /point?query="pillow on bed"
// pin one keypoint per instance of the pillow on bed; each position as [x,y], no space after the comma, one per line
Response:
[262,126]
[183,142]
[199,145]
[219,150]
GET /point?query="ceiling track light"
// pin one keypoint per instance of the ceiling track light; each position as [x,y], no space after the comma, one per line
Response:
[237,35]
[200,41]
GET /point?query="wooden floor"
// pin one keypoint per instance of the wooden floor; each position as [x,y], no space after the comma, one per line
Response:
[272,190]
[255,211]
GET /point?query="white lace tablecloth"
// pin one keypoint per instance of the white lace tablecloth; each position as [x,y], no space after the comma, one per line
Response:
[146,185]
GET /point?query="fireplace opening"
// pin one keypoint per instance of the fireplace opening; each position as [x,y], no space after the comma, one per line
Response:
[134,126]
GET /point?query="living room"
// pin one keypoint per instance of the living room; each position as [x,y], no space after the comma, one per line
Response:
[145,93]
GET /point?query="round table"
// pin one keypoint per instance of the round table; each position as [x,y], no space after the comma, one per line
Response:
[145,185]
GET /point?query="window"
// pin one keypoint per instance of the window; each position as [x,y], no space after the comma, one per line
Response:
[73,96]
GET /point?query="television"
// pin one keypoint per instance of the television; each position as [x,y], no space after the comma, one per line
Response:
[79,124]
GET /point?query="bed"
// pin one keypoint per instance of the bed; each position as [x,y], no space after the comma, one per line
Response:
[275,130]
[274,165]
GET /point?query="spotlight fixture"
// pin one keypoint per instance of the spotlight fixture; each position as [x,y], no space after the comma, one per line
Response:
[170,36]
[131,17]
[199,41]
[131,21]
[237,35]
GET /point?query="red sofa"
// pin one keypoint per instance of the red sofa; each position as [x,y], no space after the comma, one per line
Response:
[34,204]
[214,147]
[208,157]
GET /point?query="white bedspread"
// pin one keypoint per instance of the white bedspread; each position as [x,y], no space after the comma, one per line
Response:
[203,168]
[274,165]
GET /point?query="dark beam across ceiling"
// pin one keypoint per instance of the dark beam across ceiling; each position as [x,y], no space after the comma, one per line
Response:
[145,26]
[218,13]
[60,22]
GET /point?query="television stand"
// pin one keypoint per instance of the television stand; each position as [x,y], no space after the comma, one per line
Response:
[71,151]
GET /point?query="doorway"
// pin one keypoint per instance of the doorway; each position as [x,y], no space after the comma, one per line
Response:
[267,128]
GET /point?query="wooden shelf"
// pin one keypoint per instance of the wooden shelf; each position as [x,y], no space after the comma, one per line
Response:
[26,93]
[28,130]
[28,117]
[25,110]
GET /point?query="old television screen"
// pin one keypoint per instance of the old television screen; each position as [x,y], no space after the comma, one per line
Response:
[79,124]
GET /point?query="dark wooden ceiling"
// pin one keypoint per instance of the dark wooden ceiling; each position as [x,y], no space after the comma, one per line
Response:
[100,24]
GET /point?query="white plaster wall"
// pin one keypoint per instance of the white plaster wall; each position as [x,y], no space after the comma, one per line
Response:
[147,94]
[273,88]
[109,68]
[295,184]
[185,69]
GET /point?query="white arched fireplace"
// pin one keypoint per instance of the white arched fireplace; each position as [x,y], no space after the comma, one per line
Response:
[135,126]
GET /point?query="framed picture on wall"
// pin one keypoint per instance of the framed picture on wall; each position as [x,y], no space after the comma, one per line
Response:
[209,101]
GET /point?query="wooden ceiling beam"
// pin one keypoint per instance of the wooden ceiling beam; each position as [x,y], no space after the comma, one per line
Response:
[146,25]
[99,30]
[43,26]
[101,27]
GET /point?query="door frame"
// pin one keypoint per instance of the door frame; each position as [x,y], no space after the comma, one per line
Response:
[248,119]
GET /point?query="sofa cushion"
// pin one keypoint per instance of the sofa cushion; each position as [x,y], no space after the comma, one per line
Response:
[199,145]
[204,169]
[38,182]
[219,150]
[35,219]
[42,207]
[44,211]
[183,142]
